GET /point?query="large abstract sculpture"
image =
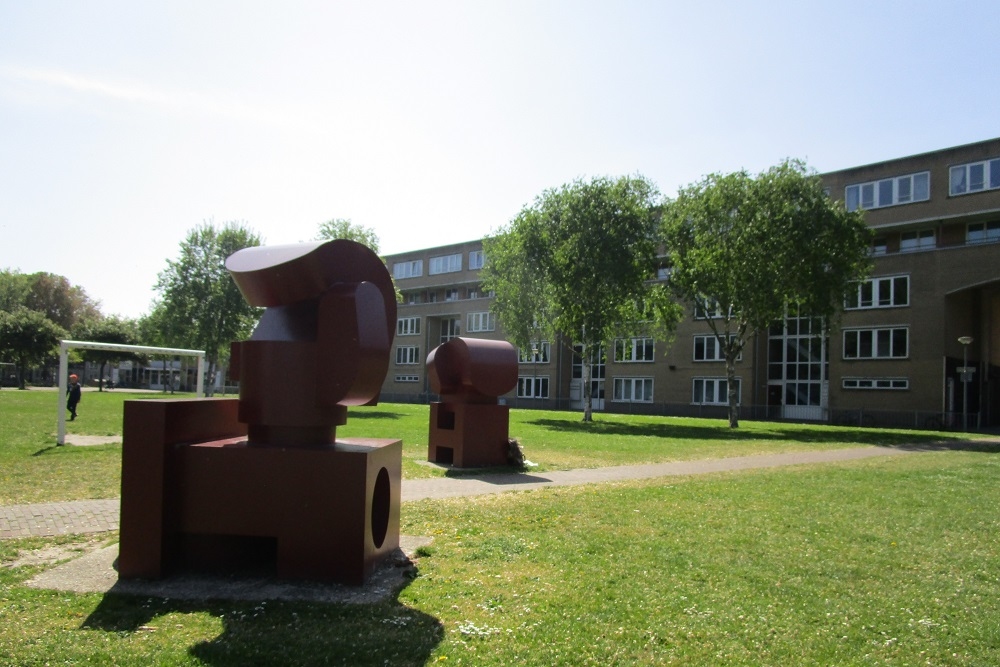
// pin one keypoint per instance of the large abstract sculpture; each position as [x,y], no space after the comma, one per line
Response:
[468,427]
[263,480]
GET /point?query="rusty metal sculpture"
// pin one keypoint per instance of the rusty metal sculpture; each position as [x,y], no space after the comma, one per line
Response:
[468,427]
[263,479]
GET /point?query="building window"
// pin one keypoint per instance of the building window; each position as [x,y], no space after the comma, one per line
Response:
[983,232]
[407,355]
[919,240]
[451,294]
[532,387]
[880,246]
[712,391]
[538,353]
[450,328]
[888,191]
[888,343]
[974,177]
[407,378]
[408,326]
[707,348]
[445,264]
[633,390]
[631,350]
[432,297]
[484,321]
[476,259]
[412,298]
[473,293]
[888,292]
[412,269]
[875,383]
[707,309]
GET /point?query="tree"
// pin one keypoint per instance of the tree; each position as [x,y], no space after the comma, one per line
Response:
[28,337]
[107,330]
[201,307]
[746,251]
[14,287]
[579,261]
[59,300]
[343,228]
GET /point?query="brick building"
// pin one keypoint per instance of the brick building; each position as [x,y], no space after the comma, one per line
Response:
[894,357]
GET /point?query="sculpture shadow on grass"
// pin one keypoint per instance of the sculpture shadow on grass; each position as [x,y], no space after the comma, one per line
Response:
[285,633]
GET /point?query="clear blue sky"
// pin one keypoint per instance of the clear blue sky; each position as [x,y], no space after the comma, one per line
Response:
[125,124]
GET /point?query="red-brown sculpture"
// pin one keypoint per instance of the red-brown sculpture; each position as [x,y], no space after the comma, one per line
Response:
[468,427]
[263,480]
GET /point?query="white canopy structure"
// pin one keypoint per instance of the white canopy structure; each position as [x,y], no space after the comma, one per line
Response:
[65,345]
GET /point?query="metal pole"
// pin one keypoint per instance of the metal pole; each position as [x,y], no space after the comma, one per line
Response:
[61,398]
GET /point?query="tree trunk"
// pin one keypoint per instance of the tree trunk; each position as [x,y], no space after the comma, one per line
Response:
[734,408]
[588,412]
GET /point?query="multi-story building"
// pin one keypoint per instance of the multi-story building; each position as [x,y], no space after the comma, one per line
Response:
[929,311]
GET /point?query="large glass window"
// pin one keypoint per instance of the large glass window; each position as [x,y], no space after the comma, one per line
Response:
[983,232]
[974,177]
[413,269]
[532,387]
[888,343]
[629,350]
[888,191]
[707,348]
[919,240]
[893,291]
[476,258]
[408,326]
[875,383]
[633,390]
[450,328]
[538,353]
[407,355]
[712,391]
[481,321]
[445,264]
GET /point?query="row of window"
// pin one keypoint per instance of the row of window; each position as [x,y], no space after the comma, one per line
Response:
[477,322]
[437,265]
[450,294]
[910,188]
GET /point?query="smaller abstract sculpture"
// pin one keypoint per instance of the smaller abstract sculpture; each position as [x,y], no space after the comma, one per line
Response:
[468,428]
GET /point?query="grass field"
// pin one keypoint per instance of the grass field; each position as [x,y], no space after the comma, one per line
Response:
[887,561]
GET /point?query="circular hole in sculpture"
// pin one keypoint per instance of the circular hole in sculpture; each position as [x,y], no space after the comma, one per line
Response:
[380,508]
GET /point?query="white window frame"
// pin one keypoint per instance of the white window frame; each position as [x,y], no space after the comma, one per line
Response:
[542,356]
[409,269]
[921,239]
[891,191]
[476,260]
[636,350]
[709,341]
[408,326]
[407,355]
[983,232]
[874,383]
[960,177]
[632,389]
[881,292]
[719,390]
[451,294]
[445,264]
[533,386]
[481,321]
[882,343]
[407,378]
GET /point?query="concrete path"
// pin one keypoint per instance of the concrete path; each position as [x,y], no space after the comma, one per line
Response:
[91,516]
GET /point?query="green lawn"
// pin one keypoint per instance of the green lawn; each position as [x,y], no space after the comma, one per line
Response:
[886,561]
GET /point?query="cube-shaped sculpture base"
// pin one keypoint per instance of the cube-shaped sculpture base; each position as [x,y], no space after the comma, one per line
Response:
[468,435]
[196,496]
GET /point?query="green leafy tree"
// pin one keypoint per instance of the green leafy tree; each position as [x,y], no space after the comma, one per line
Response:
[747,250]
[200,307]
[111,329]
[343,228]
[28,337]
[14,288]
[579,261]
[59,300]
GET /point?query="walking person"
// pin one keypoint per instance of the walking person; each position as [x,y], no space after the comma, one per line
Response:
[72,396]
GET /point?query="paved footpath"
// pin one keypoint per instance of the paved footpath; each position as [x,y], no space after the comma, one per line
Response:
[91,516]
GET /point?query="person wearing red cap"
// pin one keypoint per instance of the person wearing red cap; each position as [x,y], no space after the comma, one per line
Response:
[72,396]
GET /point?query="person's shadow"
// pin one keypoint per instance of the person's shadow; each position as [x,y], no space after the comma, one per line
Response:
[284,632]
